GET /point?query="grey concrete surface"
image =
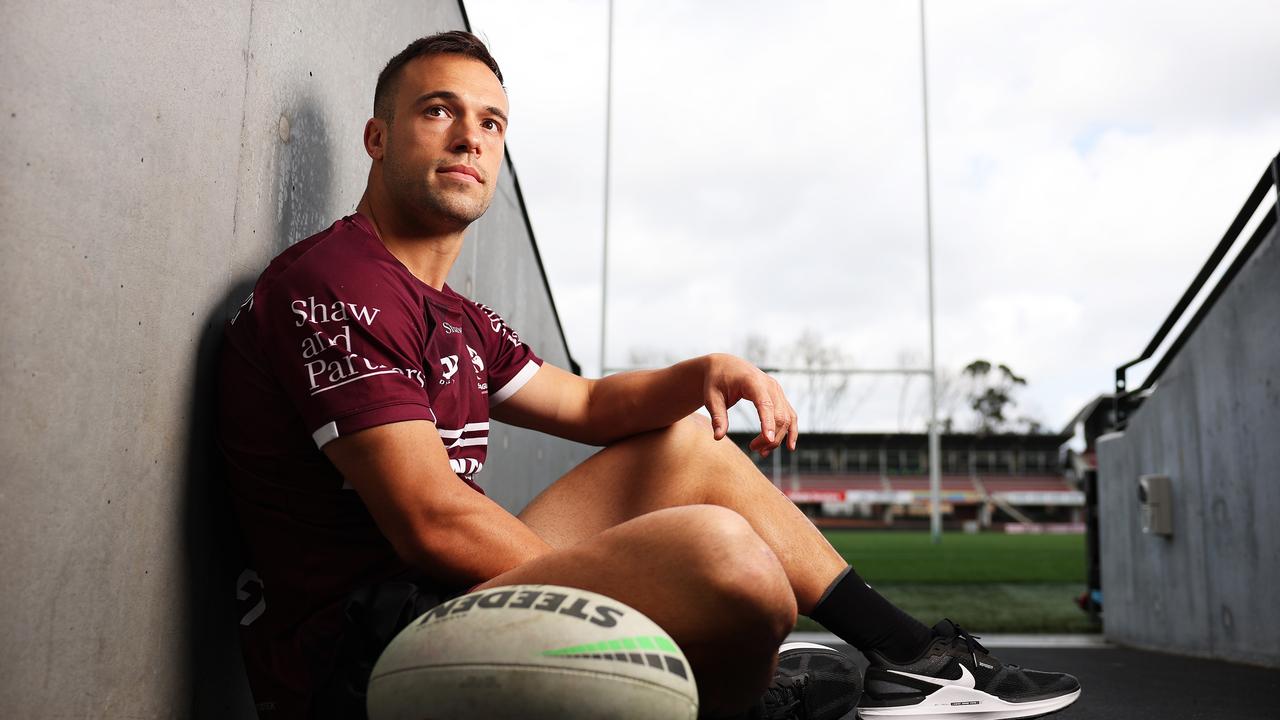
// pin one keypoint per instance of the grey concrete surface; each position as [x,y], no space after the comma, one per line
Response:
[1211,426]
[497,268]
[157,156]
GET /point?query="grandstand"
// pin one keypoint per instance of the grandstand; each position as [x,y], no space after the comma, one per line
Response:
[1002,481]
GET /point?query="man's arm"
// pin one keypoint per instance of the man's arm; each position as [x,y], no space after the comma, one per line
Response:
[434,521]
[599,412]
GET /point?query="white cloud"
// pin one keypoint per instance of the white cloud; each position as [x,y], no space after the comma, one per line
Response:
[768,173]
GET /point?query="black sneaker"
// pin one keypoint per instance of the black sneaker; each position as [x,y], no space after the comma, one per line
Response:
[812,682]
[955,678]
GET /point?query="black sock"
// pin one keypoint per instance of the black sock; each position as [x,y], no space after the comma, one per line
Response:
[863,618]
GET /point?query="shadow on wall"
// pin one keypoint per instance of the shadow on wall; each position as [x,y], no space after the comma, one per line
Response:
[214,555]
[305,184]
[217,595]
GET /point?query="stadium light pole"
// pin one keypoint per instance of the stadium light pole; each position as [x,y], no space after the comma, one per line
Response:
[608,143]
[935,442]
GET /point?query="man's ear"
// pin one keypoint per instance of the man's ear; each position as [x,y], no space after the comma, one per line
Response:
[375,138]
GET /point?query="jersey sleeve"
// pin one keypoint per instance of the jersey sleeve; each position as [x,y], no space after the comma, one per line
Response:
[510,363]
[347,346]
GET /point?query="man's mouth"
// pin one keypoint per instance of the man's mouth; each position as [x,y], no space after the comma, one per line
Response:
[461,173]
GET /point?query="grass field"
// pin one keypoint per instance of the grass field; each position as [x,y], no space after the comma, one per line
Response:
[991,582]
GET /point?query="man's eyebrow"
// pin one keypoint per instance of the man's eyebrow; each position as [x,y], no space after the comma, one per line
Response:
[436,95]
[495,111]
[453,96]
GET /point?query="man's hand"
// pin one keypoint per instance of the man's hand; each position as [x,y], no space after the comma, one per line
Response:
[730,379]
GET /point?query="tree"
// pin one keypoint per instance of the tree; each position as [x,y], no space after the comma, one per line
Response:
[978,398]
[991,390]
[952,398]
[824,391]
[818,395]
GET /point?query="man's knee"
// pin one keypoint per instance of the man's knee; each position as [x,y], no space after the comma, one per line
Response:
[686,433]
[690,444]
[736,566]
[697,422]
[693,438]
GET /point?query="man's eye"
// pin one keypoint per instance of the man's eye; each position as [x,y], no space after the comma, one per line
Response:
[437,111]
[491,125]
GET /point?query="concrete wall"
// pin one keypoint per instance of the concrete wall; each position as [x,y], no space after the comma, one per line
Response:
[1212,426]
[157,155]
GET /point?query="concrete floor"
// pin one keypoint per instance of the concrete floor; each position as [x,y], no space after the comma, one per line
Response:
[1126,684]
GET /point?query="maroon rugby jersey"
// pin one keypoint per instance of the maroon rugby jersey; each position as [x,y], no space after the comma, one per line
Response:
[338,336]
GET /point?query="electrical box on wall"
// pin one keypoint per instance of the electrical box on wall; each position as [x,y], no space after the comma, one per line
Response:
[1155,498]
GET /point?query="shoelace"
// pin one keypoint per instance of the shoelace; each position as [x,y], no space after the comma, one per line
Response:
[784,695]
[971,643]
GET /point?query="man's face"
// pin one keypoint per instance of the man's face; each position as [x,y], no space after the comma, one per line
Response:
[444,147]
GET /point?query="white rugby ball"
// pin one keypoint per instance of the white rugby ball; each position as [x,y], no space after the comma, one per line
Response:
[532,652]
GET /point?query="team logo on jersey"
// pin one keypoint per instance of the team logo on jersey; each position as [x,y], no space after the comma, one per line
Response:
[320,313]
[249,596]
[450,329]
[450,365]
[332,359]
[465,468]
[476,362]
[498,326]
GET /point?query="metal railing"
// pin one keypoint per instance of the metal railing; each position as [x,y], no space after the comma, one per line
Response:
[1124,397]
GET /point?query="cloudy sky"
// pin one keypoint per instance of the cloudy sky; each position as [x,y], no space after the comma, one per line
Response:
[768,177]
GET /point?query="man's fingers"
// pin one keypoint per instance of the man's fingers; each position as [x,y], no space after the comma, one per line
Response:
[784,419]
[777,417]
[784,429]
[793,422]
[719,414]
[760,445]
[786,432]
[764,405]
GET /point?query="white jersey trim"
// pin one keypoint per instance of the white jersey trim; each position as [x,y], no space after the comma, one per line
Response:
[329,431]
[326,434]
[449,434]
[513,386]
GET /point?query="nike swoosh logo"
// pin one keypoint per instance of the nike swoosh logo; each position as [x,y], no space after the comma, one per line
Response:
[965,680]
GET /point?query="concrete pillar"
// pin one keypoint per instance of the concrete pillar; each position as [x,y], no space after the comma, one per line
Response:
[157,155]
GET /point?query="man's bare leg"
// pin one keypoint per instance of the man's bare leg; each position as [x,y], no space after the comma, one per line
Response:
[684,465]
[704,575]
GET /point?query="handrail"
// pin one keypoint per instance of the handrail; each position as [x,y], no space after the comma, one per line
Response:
[1270,178]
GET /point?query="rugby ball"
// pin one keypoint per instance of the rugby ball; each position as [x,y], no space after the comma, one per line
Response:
[532,652]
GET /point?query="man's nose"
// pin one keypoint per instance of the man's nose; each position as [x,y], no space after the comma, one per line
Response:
[466,138]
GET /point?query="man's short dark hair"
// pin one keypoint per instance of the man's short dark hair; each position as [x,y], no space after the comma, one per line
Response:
[454,42]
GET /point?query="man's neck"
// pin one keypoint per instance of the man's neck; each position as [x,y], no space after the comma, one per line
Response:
[428,255]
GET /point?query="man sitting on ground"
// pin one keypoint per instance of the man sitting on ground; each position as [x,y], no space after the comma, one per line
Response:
[357,392]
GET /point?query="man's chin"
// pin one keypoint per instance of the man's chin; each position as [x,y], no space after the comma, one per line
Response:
[465,212]
[459,212]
